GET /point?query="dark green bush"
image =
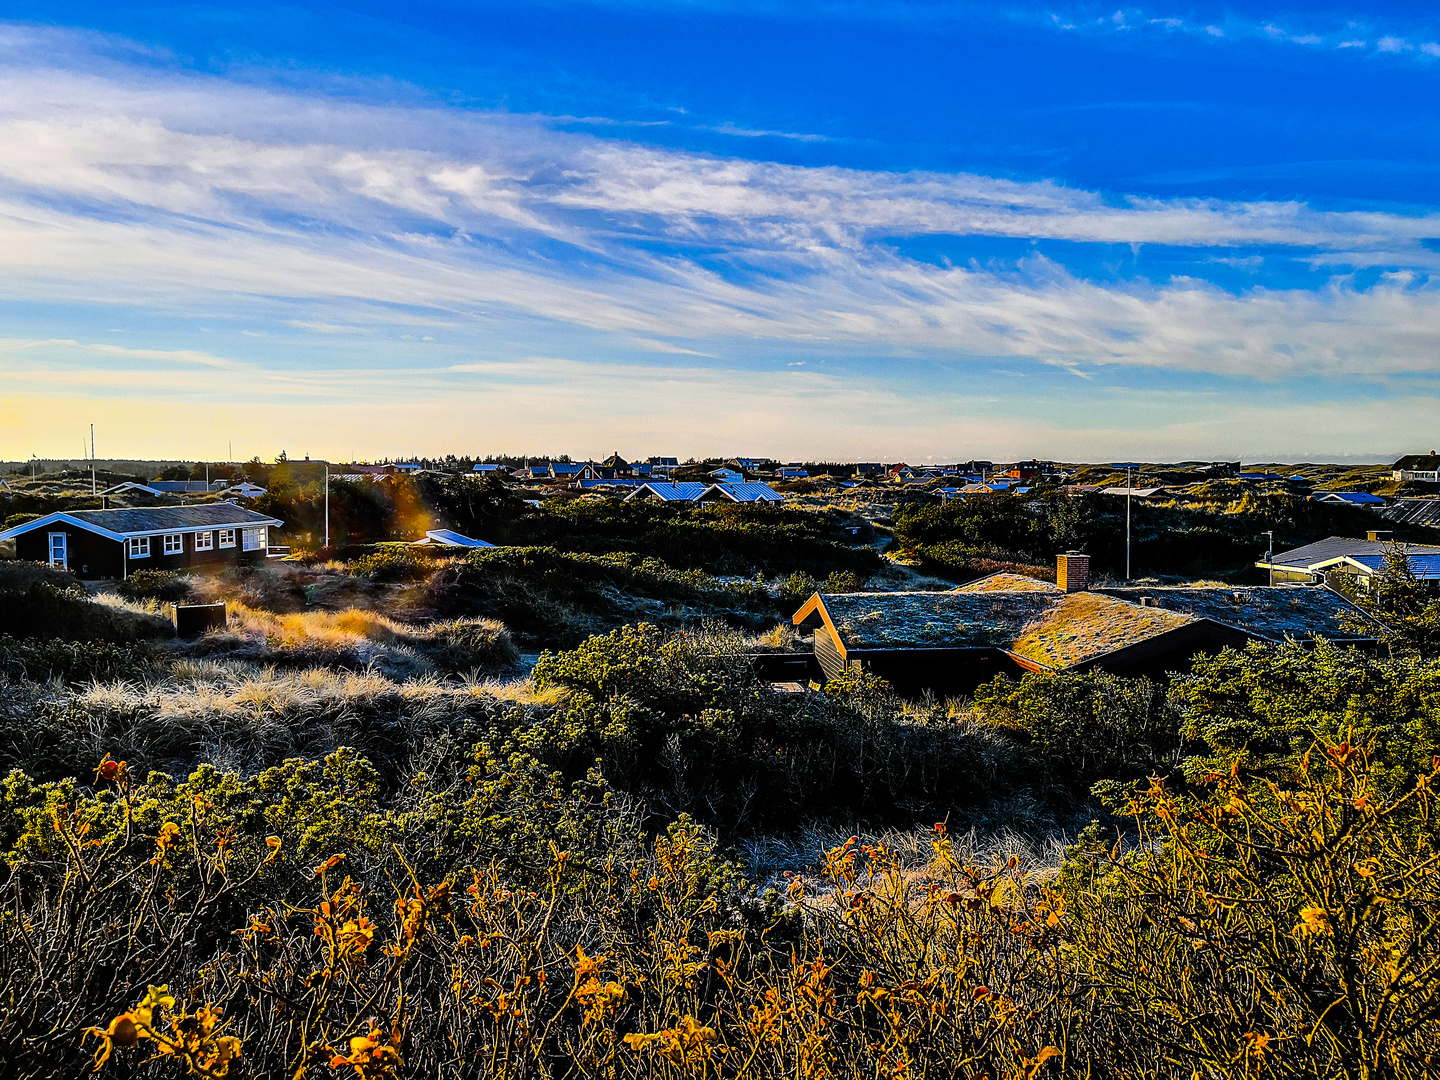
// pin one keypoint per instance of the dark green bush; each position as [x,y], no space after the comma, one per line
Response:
[391,564]
[1086,727]
[555,598]
[163,585]
[41,659]
[463,646]
[39,602]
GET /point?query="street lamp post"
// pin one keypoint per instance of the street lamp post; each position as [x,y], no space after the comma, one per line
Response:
[327,505]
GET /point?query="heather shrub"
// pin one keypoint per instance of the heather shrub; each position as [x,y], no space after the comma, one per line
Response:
[42,659]
[391,564]
[558,599]
[39,602]
[1084,727]
[163,585]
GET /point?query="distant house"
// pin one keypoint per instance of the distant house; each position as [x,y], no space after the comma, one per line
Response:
[741,492]
[666,491]
[869,470]
[369,472]
[1257,476]
[131,485]
[1312,563]
[789,473]
[180,487]
[1414,512]
[245,489]
[950,642]
[488,469]
[726,476]
[1417,467]
[97,544]
[617,468]
[753,464]
[449,538]
[1137,493]
[1026,470]
[569,471]
[1350,498]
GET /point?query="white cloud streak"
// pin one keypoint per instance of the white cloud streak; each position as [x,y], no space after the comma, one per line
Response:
[163,192]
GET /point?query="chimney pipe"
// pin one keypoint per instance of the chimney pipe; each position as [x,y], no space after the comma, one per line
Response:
[1379,536]
[1072,571]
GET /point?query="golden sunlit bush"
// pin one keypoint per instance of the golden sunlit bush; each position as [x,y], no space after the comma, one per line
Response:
[491,922]
[356,637]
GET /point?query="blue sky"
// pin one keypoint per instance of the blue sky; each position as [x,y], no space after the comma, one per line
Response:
[909,230]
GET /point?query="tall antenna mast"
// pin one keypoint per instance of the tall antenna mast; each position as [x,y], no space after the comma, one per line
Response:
[92,460]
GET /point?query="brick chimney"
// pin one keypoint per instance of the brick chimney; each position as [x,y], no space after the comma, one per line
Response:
[1379,536]
[1072,571]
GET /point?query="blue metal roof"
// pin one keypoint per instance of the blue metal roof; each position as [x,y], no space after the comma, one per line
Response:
[683,492]
[753,492]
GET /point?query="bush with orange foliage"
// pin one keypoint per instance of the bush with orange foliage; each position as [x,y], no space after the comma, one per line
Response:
[491,922]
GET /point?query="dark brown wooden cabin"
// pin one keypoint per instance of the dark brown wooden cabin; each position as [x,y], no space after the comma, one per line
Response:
[100,544]
[948,643]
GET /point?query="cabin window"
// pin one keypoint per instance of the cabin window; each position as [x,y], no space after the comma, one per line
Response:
[253,539]
[204,541]
[174,544]
[227,538]
[140,547]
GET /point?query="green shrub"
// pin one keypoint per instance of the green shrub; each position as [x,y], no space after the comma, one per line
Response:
[39,602]
[39,660]
[163,585]
[1087,727]
[463,646]
[391,564]
[555,598]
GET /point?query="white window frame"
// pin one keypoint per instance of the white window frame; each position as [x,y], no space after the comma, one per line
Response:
[204,541]
[138,547]
[253,539]
[63,548]
[227,538]
[173,544]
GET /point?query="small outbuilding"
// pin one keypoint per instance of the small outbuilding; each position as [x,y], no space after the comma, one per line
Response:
[450,538]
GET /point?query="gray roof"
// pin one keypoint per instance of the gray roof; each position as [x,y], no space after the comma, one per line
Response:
[1060,630]
[1414,512]
[151,520]
[1262,610]
[1335,547]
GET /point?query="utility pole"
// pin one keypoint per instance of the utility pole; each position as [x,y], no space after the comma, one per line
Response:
[327,504]
[1129,491]
[93,487]
[1129,467]
[1270,555]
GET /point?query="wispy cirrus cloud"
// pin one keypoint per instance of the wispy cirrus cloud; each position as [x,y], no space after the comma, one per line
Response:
[353,223]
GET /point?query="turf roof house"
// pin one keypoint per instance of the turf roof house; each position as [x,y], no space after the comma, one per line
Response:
[950,642]
[1417,467]
[97,544]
